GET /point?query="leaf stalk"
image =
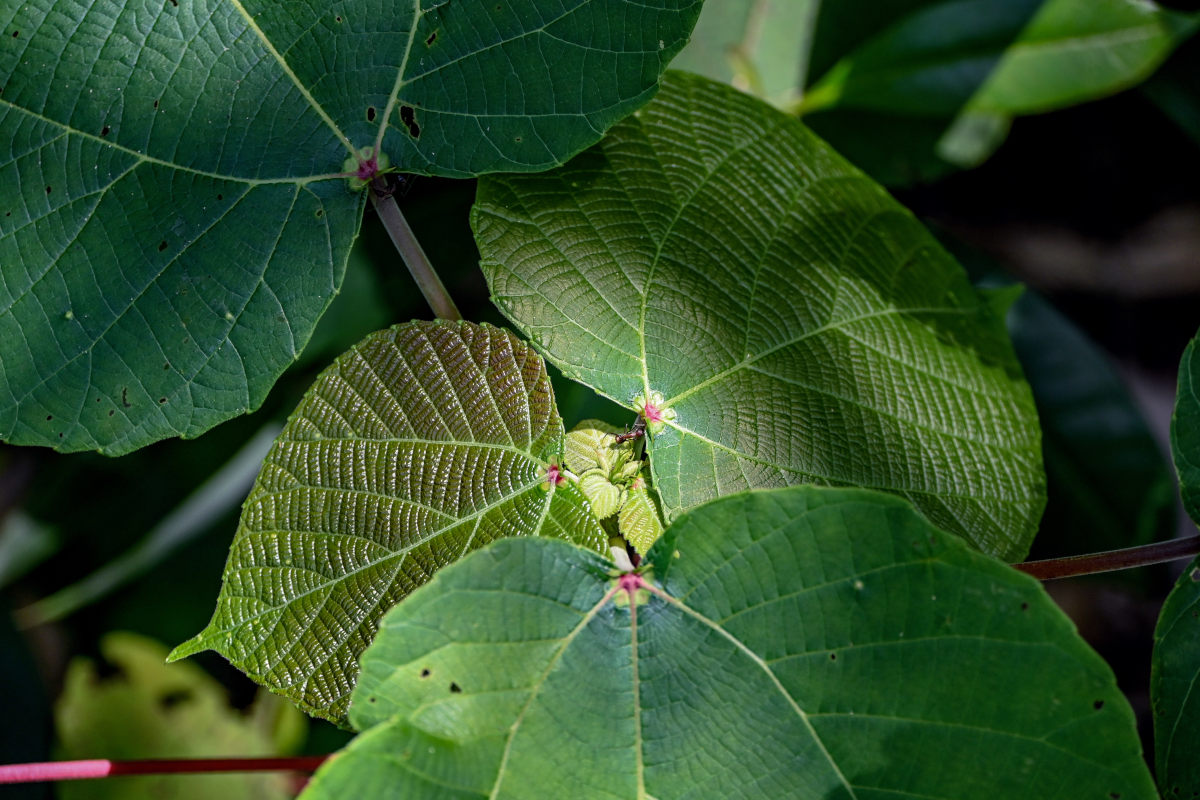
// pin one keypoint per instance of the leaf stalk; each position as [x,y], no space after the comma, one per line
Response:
[103,768]
[1110,560]
[411,252]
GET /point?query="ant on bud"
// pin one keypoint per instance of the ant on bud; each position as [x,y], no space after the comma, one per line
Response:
[638,431]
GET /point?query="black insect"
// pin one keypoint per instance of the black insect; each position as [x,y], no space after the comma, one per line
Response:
[636,432]
[394,185]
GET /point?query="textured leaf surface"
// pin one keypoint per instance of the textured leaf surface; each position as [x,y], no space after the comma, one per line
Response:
[1185,429]
[172,224]
[422,443]
[801,323]
[1174,678]
[807,643]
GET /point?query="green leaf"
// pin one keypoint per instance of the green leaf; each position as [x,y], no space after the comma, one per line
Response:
[757,45]
[1185,429]
[605,498]
[802,324]
[138,707]
[638,519]
[173,217]
[800,643]
[1011,57]
[944,79]
[1175,671]
[423,442]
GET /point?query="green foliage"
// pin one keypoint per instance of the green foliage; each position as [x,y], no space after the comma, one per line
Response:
[422,443]
[799,643]
[801,324]
[175,214]
[137,707]
[912,89]
[1175,671]
[1185,429]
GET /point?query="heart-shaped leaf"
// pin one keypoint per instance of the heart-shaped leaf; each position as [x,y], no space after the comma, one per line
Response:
[807,643]
[172,218]
[422,443]
[802,324]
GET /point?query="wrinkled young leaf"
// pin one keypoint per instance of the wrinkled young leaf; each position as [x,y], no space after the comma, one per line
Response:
[638,518]
[802,324]
[422,443]
[1185,429]
[807,643]
[172,220]
[135,706]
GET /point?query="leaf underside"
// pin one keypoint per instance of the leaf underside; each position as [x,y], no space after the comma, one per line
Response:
[172,218]
[422,443]
[799,643]
[803,325]
[1185,429]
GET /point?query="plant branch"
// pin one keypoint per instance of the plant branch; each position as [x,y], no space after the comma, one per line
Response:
[410,250]
[1110,560]
[103,768]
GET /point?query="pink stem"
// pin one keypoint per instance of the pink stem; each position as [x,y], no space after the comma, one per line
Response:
[103,768]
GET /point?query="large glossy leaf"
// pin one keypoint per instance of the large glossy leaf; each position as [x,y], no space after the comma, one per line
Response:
[172,222]
[807,643]
[1185,429]
[802,324]
[422,443]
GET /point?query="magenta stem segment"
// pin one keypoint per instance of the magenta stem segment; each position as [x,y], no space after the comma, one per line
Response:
[1110,560]
[412,253]
[103,768]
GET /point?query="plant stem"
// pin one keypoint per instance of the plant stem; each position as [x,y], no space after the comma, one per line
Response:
[1110,560]
[410,250]
[103,768]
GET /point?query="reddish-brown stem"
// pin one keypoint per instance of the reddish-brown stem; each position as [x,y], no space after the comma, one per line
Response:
[103,768]
[1110,560]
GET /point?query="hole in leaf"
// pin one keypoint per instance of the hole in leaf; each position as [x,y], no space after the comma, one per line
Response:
[156,104]
[111,412]
[104,131]
[125,398]
[455,688]
[162,246]
[162,400]
[60,435]
[48,189]
[431,39]
[172,699]
[175,3]
[1024,606]
[166,365]
[1099,704]
[833,656]
[49,417]
[518,139]
[319,213]
[370,113]
[337,19]
[372,699]
[425,673]
[16,34]
[408,117]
